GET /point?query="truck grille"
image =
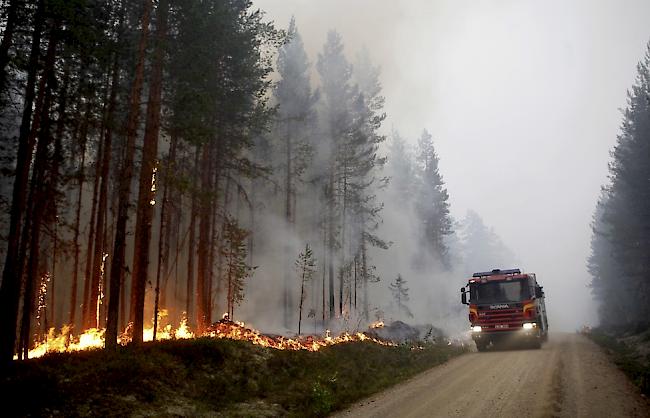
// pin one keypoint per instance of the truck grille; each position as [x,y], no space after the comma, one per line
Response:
[500,319]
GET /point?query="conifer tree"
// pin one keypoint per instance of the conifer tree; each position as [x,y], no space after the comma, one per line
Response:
[335,74]
[432,204]
[305,267]
[622,222]
[295,123]
[236,269]
[400,295]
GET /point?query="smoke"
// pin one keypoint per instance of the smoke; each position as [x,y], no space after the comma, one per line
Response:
[522,99]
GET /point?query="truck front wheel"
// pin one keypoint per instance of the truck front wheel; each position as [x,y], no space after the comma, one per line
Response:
[481,345]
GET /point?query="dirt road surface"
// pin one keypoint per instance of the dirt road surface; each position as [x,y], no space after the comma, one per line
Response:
[569,377]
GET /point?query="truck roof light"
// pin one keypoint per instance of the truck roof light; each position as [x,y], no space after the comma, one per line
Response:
[495,272]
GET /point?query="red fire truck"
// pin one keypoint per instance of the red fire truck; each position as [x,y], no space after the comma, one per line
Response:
[505,304]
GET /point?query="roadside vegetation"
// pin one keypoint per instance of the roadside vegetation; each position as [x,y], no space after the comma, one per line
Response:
[206,377]
[630,350]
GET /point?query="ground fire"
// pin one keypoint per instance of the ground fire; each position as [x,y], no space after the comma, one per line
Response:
[93,338]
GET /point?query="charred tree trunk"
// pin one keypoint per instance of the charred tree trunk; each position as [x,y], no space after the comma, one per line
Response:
[75,242]
[13,267]
[126,174]
[203,251]
[90,250]
[54,182]
[101,202]
[192,241]
[38,194]
[147,186]
[214,250]
[165,218]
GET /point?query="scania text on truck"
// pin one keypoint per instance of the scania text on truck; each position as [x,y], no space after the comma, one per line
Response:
[505,305]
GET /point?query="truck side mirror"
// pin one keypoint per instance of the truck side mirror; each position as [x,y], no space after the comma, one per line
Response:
[539,292]
[463,296]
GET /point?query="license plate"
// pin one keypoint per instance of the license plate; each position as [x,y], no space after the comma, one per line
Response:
[501,326]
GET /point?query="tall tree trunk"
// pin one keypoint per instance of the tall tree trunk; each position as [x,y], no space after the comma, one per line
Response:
[330,243]
[203,251]
[288,218]
[168,207]
[38,195]
[214,250]
[159,265]
[146,186]
[192,241]
[364,278]
[13,267]
[343,230]
[117,264]
[92,318]
[90,249]
[54,182]
[324,273]
[75,273]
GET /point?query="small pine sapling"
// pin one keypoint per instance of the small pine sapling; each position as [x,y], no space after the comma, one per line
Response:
[237,270]
[305,266]
[401,295]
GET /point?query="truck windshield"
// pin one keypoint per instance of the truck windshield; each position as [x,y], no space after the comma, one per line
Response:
[499,292]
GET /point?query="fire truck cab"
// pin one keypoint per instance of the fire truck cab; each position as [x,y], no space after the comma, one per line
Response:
[505,305]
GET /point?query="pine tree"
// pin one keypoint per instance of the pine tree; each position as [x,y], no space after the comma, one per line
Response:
[400,295]
[432,204]
[305,266]
[124,194]
[236,268]
[13,266]
[622,229]
[295,120]
[335,73]
[400,168]
[482,248]
[608,286]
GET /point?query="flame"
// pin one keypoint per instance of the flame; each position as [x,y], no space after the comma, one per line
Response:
[183,331]
[378,324]
[93,338]
[152,201]
[238,331]
[42,297]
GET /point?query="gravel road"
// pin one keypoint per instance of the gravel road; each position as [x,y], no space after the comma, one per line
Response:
[569,377]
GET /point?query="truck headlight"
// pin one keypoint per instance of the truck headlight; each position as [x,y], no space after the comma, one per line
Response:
[530,325]
[477,328]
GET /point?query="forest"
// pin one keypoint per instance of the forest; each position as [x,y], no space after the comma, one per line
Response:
[171,161]
[620,244]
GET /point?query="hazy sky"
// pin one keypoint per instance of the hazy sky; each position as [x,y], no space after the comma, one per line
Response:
[523,100]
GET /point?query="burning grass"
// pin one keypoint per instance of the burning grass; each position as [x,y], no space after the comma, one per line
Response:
[204,376]
[94,338]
